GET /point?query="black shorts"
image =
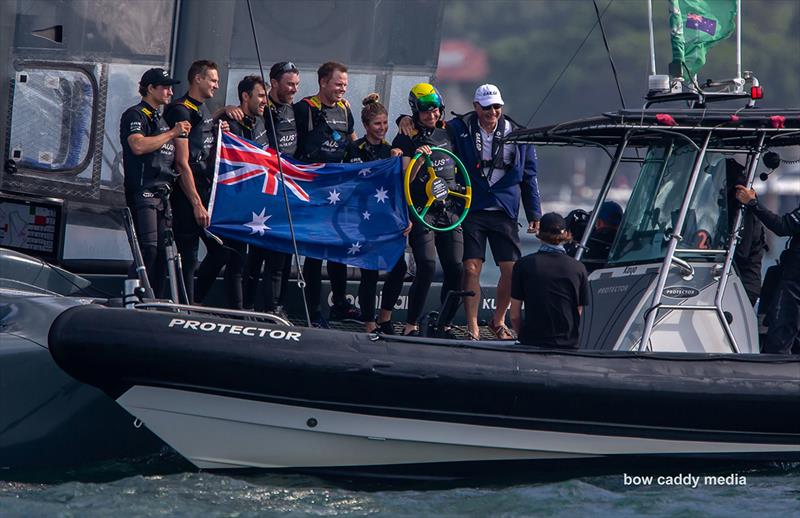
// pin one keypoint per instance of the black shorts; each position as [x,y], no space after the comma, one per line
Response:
[502,232]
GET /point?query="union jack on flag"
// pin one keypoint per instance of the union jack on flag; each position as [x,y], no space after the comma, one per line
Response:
[349,213]
[240,160]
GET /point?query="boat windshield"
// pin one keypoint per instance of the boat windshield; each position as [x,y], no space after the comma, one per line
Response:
[655,203]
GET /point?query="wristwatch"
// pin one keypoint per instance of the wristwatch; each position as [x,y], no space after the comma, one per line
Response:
[752,203]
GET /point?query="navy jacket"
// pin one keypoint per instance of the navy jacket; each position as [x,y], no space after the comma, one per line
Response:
[518,183]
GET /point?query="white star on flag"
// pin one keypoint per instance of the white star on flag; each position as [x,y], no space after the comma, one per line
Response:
[381,194]
[257,226]
[356,248]
[366,214]
[334,197]
[365,171]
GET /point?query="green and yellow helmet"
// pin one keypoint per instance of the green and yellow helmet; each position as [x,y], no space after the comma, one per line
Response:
[424,97]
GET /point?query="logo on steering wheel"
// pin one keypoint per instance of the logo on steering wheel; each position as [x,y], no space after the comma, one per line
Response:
[437,189]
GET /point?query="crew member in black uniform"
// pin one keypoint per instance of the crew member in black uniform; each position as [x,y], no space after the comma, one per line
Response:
[752,239]
[324,129]
[147,156]
[427,109]
[554,288]
[252,100]
[284,78]
[195,165]
[369,148]
[783,315]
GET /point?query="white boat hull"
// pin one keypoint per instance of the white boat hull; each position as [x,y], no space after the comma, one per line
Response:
[219,432]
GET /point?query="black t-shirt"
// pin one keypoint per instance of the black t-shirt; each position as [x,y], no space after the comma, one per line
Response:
[152,169]
[285,127]
[362,151]
[251,128]
[323,132]
[552,286]
[201,137]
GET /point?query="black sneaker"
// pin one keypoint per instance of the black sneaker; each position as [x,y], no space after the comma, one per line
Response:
[386,328]
[344,311]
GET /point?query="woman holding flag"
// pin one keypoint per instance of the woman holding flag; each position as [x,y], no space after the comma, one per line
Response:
[371,147]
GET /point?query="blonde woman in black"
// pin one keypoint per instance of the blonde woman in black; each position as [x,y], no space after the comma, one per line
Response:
[370,147]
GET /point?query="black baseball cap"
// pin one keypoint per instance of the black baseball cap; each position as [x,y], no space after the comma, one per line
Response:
[552,223]
[157,76]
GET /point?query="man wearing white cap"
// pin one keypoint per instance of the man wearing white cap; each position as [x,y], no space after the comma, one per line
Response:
[501,175]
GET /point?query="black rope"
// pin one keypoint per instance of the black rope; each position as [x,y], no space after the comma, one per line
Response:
[608,51]
[563,71]
[301,282]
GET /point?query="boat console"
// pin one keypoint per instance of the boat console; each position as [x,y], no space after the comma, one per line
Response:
[669,284]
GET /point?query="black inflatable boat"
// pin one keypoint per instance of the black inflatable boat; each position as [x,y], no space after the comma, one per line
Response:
[232,394]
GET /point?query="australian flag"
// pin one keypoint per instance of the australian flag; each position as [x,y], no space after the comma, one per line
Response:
[348,213]
[701,23]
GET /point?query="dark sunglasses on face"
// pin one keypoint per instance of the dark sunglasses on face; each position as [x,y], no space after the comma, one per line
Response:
[427,107]
[487,108]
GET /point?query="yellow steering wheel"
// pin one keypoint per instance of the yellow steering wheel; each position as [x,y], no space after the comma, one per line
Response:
[437,189]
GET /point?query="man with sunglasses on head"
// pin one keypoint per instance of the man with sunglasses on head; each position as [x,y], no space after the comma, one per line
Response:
[501,175]
[284,79]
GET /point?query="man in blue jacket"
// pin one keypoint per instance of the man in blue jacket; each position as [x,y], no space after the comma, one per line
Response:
[502,175]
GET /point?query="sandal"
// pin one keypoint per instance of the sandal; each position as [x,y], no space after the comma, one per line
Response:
[500,331]
[473,338]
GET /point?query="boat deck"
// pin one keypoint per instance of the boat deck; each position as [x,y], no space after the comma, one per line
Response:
[356,326]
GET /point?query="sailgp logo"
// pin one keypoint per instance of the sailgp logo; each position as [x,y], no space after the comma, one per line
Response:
[680,292]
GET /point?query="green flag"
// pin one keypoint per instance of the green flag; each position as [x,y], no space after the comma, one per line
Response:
[696,26]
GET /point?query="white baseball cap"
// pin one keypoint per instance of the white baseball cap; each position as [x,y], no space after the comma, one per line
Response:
[487,95]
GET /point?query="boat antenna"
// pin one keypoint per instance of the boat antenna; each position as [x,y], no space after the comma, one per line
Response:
[738,40]
[301,282]
[564,70]
[652,38]
[608,51]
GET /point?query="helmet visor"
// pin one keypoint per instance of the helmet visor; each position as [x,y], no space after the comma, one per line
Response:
[429,102]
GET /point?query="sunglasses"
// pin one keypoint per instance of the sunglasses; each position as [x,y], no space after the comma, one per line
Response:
[491,106]
[427,107]
[283,68]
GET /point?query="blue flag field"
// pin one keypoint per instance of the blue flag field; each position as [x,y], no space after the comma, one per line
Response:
[348,213]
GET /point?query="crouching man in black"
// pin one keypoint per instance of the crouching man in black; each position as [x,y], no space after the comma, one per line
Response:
[554,288]
[783,315]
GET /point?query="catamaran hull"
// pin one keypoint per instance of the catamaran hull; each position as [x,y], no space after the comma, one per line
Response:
[225,394]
